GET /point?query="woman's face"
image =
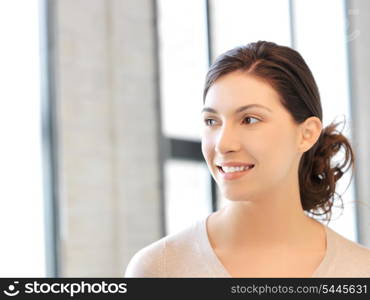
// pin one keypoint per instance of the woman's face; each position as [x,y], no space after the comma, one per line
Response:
[265,137]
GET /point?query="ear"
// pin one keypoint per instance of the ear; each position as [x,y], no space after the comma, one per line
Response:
[309,133]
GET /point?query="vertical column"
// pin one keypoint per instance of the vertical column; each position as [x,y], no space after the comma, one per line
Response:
[358,24]
[138,146]
[107,123]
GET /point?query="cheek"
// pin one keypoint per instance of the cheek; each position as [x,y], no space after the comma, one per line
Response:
[275,153]
[271,150]
[206,150]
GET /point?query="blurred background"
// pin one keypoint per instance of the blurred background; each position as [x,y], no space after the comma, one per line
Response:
[100,121]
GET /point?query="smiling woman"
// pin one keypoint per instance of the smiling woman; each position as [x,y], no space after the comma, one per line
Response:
[274,171]
[279,79]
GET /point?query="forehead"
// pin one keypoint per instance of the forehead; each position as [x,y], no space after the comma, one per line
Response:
[238,88]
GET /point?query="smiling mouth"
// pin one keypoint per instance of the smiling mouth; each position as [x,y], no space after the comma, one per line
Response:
[223,172]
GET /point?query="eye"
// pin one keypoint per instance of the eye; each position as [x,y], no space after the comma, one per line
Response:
[250,118]
[206,121]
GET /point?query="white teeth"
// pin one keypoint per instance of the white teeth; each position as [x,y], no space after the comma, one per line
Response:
[234,169]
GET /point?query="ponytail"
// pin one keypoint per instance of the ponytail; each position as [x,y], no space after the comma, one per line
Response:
[317,177]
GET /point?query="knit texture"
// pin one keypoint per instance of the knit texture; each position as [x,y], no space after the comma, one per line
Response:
[188,253]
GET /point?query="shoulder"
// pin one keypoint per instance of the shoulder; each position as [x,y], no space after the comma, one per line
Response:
[156,259]
[352,259]
[147,262]
[351,249]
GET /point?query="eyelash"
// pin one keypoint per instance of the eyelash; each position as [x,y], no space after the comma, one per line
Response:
[248,117]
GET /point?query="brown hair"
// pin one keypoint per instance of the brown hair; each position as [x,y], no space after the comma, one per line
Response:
[287,72]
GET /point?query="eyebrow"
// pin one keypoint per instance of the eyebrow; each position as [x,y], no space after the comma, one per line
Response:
[238,110]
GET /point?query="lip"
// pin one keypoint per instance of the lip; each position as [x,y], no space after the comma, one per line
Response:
[233,175]
[233,164]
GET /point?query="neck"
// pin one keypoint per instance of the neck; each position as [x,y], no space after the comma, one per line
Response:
[277,223]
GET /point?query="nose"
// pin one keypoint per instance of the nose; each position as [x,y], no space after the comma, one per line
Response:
[227,140]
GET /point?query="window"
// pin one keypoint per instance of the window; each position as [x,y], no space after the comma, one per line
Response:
[239,22]
[22,202]
[183,57]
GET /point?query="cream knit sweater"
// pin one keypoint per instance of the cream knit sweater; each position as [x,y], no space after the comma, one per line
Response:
[188,253]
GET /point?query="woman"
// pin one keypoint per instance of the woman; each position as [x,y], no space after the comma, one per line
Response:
[265,147]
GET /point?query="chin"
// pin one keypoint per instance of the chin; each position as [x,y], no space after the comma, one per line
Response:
[234,196]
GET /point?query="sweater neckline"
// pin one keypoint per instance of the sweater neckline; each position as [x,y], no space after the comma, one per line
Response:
[219,270]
